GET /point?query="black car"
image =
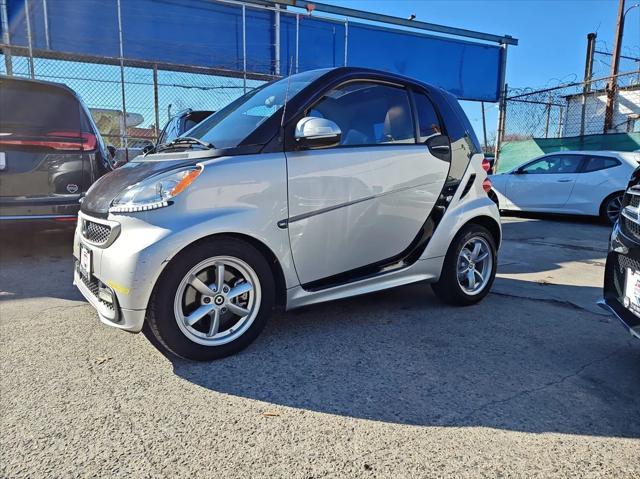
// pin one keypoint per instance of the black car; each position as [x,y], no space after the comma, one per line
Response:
[622,272]
[180,123]
[50,151]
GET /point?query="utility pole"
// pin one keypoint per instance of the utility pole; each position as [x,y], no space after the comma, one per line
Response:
[588,72]
[612,85]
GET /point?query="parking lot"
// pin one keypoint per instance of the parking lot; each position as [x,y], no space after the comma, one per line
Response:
[534,381]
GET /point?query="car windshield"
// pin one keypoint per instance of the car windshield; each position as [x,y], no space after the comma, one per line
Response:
[235,122]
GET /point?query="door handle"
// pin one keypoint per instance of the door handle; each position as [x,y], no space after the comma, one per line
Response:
[565,180]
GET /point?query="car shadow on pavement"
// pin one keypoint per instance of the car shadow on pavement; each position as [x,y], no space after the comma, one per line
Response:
[37,261]
[399,356]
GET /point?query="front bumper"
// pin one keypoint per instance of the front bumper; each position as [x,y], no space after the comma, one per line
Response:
[112,315]
[623,253]
[126,266]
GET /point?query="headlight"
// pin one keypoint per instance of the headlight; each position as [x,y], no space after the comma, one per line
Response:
[155,192]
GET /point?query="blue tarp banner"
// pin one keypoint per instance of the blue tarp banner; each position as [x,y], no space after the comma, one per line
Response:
[210,34]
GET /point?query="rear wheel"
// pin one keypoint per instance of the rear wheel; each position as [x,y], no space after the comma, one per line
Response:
[611,208]
[469,267]
[212,301]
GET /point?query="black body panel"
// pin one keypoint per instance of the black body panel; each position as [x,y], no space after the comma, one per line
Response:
[624,253]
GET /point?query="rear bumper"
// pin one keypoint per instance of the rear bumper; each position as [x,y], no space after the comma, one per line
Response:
[623,253]
[39,211]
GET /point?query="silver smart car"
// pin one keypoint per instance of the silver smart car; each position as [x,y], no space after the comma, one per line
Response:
[319,186]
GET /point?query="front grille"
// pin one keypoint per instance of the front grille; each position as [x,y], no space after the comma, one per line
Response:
[93,285]
[630,228]
[631,200]
[96,232]
[625,262]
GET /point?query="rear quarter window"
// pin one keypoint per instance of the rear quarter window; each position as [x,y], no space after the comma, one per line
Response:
[597,163]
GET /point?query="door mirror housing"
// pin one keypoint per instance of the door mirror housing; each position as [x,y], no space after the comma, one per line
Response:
[314,132]
[519,171]
[440,147]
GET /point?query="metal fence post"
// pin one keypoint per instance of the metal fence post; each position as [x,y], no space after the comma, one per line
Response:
[4,17]
[346,40]
[27,15]
[45,14]
[502,113]
[560,122]
[123,128]
[484,126]
[156,101]
[297,39]
[277,41]
[546,126]
[244,49]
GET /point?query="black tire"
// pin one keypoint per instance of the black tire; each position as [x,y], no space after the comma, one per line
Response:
[607,203]
[161,323]
[448,288]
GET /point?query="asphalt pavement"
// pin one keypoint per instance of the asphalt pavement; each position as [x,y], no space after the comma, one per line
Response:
[533,382]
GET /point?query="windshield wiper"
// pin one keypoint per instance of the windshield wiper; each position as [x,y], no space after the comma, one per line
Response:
[186,140]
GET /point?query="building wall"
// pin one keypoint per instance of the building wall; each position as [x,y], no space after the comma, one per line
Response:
[628,103]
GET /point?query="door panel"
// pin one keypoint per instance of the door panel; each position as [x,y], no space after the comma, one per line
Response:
[351,207]
[540,191]
[545,183]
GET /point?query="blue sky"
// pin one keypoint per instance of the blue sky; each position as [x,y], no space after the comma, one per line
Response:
[552,34]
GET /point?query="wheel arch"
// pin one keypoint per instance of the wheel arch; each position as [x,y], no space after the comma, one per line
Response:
[269,255]
[490,224]
[606,198]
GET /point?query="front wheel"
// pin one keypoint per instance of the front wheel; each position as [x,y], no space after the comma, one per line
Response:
[212,300]
[469,267]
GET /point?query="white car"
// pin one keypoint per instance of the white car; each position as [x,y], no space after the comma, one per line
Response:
[568,182]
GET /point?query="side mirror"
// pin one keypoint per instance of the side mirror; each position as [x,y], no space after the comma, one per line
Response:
[112,151]
[519,171]
[148,149]
[317,133]
[440,147]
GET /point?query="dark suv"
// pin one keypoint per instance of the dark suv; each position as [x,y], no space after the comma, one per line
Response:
[622,272]
[50,151]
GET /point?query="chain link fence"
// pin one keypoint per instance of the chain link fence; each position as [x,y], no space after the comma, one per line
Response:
[571,116]
[131,104]
[575,109]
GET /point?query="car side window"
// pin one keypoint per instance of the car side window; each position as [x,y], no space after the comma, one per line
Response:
[596,163]
[429,123]
[368,113]
[554,164]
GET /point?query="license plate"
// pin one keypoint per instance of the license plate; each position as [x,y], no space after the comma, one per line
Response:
[632,291]
[85,261]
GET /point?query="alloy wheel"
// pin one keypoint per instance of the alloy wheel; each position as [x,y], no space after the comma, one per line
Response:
[475,265]
[217,300]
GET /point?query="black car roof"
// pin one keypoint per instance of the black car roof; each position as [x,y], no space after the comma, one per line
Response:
[351,71]
[42,83]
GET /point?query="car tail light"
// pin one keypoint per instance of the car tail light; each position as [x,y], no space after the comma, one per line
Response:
[486,185]
[486,164]
[56,140]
